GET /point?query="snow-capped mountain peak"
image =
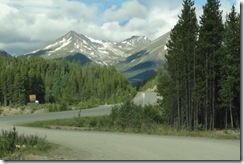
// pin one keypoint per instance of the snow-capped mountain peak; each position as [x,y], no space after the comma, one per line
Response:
[98,51]
[137,41]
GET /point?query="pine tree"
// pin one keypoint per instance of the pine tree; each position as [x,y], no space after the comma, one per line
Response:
[189,27]
[166,88]
[19,91]
[230,72]
[181,63]
[208,60]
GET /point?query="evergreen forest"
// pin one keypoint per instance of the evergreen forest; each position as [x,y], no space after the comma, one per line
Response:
[58,81]
[200,82]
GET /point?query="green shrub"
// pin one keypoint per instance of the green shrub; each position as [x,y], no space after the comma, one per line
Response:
[93,122]
[10,142]
[22,108]
[127,115]
[53,108]
[63,107]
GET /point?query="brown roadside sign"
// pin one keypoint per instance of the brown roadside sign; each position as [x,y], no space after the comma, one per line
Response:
[32,97]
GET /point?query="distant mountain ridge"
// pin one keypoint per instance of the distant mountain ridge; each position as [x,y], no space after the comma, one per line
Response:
[137,57]
[97,51]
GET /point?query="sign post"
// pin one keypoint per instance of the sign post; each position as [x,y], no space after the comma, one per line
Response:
[32,98]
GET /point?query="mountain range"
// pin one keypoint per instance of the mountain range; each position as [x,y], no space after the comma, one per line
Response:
[87,49]
[137,57]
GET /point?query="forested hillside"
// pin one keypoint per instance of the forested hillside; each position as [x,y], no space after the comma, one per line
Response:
[201,81]
[57,81]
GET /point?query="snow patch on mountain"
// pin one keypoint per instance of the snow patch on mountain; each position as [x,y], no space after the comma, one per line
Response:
[65,43]
[94,40]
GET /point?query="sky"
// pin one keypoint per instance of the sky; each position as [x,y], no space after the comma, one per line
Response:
[28,25]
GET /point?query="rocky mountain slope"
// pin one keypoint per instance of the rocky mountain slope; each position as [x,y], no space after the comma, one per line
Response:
[80,47]
[143,62]
[137,57]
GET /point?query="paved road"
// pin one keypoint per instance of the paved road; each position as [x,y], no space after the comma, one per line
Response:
[12,120]
[145,98]
[87,145]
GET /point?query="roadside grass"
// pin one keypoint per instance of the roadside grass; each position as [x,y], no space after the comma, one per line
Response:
[104,123]
[14,146]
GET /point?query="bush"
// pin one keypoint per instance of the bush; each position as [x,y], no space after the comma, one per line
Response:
[152,114]
[10,142]
[93,122]
[53,108]
[59,107]
[128,115]
[63,107]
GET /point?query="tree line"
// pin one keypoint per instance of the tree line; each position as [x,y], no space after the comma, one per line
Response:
[57,81]
[200,83]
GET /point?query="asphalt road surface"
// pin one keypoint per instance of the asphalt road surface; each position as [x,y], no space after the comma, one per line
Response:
[86,145]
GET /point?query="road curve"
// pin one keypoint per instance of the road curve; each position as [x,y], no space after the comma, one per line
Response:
[145,98]
[87,145]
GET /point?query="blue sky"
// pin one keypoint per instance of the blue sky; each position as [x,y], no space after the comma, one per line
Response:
[27,25]
[102,4]
[203,2]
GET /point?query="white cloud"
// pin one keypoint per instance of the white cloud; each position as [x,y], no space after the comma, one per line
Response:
[150,18]
[129,9]
[30,24]
[27,25]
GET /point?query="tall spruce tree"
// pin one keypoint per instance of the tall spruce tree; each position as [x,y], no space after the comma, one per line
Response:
[208,60]
[181,63]
[230,72]
[166,88]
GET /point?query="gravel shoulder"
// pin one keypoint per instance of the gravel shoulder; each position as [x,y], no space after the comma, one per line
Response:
[88,145]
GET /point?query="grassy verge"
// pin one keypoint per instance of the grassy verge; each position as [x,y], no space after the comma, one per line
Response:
[103,123]
[14,146]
